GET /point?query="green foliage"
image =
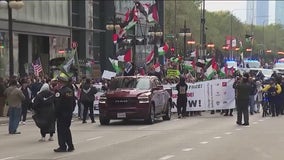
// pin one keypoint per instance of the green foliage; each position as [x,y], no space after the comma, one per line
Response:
[218,26]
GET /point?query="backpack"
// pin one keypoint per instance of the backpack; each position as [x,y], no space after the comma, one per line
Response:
[88,95]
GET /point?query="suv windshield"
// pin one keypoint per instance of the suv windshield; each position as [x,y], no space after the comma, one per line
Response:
[130,82]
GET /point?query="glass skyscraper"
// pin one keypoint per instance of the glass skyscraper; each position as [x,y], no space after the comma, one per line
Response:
[257,12]
[279,12]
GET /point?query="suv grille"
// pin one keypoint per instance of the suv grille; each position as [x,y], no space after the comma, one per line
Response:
[122,101]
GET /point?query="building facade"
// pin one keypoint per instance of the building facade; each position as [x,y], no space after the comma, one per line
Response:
[257,12]
[279,12]
[40,29]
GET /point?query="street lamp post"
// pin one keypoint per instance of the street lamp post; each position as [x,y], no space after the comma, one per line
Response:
[185,32]
[11,4]
[114,26]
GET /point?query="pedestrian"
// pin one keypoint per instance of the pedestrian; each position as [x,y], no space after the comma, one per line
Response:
[243,88]
[45,112]
[87,98]
[26,103]
[181,97]
[2,97]
[14,97]
[64,107]
[259,96]
[252,95]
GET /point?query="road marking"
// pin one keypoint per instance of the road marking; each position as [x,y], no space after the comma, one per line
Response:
[254,122]
[228,133]
[4,124]
[187,149]
[218,137]
[204,142]
[7,158]
[143,127]
[176,119]
[261,120]
[166,157]
[91,139]
[238,129]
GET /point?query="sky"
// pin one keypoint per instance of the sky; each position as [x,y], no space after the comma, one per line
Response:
[238,8]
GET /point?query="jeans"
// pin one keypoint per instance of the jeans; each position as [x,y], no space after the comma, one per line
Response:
[252,104]
[14,118]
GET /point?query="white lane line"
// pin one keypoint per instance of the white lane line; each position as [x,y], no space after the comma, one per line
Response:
[261,120]
[238,129]
[217,137]
[187,149]
[254,122]
[228,133]
[91,139]
[204,142]
[7,158]
[143,127]
[166,157]
[4,124]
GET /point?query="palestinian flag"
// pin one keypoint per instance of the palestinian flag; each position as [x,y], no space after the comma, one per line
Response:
[115,66]
[211,69]
[143,8]
[131,17]
[150,57]
[188,65]
[223,72]
[127,57]
[130,25]
[157,67]
[163,50]
[153,15]
[200,63]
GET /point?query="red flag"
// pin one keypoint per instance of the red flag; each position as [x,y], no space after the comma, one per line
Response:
[127,14]
[128,56]
[150,57]
[214,64]
[115,38]
[153,15]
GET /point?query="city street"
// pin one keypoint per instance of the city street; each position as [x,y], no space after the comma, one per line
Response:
[207,137]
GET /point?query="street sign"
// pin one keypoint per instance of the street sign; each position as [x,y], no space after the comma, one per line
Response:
[74,44]
[170,36]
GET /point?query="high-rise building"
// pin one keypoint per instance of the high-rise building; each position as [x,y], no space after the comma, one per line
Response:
[257,12]
[279,12]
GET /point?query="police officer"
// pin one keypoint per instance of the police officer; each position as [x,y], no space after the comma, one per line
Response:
[64,107]
[243,88]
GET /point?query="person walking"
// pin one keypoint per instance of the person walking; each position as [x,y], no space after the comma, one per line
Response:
[45,112]
[64,107]
[252,95]
[87,99]
[243,89]
[26,103]
[181,97]
[14,98]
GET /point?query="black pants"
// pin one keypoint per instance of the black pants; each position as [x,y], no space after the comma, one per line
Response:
[181,106]
[275,108]
[226,111]
[242,109]
[88,106]
[24,112]
[43,133]
[64,133]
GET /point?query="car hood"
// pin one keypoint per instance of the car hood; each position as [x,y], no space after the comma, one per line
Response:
[125,93]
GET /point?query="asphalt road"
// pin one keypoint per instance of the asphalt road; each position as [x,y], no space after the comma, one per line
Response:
[209,137]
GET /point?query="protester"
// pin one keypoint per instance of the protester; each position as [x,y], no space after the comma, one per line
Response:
[44,109]
[14,99]
[243,88]
[252,95]
[87,99]
[64,107]
[181,97]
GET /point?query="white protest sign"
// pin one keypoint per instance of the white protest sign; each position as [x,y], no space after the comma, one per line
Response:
[108,74]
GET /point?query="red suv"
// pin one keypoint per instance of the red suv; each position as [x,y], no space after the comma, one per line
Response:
[135,97]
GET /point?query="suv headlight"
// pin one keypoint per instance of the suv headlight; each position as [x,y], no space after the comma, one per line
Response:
[144,98]
[102,99]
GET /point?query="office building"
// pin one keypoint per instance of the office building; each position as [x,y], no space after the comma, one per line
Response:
[258,12]
[279,12]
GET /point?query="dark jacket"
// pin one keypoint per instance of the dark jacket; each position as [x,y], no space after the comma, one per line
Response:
[64,102]
[44,109]
[243,90]
[88,93]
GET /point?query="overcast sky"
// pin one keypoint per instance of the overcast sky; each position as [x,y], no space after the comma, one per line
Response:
[238,8]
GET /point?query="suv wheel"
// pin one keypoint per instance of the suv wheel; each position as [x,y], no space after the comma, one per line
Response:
[169,112]
[104,121]
[151,116]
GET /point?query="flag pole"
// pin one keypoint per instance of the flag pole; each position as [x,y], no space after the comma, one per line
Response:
[77,62]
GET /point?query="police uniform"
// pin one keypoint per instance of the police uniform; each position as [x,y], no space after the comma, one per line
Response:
[64,107]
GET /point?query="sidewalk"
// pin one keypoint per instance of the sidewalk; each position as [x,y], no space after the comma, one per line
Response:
[5,120]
